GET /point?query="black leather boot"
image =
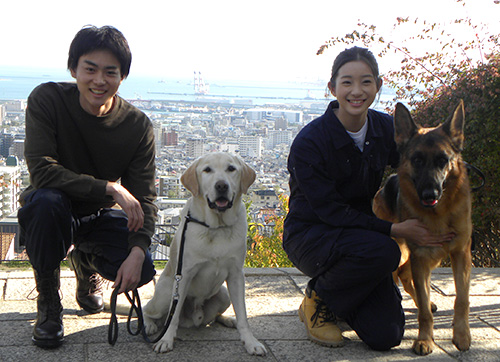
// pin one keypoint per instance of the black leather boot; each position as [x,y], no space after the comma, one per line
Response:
[48,331]
[88,282]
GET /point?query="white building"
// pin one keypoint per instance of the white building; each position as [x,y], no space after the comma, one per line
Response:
[164,203]
[279,137]
[194,147]
[169,186]
[229,147]
[250,146]
[10,187]
[258,114]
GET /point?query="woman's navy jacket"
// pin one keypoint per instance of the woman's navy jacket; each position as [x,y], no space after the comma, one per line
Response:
[332,184]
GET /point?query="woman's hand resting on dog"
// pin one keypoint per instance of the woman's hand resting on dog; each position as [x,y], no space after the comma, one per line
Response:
[416,232]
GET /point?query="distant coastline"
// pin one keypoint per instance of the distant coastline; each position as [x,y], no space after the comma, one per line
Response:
[16,83]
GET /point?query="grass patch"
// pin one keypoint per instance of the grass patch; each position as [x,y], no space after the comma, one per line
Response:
[11,265]
[15,264]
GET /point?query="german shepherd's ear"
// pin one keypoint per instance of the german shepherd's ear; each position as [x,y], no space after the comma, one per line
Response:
[190,180]
[405,127]
[454,126]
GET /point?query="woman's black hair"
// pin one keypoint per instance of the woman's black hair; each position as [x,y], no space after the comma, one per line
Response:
[92,38]
[353,54]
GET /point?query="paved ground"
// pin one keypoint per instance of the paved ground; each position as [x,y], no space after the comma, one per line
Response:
[273,296]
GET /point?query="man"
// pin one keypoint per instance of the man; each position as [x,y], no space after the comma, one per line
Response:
[91,157]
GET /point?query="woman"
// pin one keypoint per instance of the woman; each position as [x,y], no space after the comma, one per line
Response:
[336,165]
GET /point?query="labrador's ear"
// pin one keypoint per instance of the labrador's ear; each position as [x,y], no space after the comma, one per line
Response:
[247,177]
[190,180]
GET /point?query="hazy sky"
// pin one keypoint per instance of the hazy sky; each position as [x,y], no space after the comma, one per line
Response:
[224,39]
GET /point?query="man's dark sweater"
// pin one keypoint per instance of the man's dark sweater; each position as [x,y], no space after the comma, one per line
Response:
[73,151]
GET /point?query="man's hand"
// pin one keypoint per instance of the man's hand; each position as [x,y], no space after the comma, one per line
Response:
[416,232]
[129,274]
[128,203]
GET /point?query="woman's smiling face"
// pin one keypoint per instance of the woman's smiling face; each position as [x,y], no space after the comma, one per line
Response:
[355,89]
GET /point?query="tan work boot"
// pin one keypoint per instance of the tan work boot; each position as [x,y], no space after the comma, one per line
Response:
[321,324]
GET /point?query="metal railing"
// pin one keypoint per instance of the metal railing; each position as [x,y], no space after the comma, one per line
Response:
[160,244]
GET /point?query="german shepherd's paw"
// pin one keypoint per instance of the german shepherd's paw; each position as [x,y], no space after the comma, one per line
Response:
[462,340]
[423,347]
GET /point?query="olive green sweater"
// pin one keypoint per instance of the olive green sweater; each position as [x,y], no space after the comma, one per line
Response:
[73,151]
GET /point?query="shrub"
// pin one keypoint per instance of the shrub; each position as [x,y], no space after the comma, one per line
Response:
[267,250]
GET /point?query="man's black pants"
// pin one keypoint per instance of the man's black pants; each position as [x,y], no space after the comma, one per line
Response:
[50,228]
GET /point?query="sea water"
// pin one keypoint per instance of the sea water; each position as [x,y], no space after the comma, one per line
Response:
[17,83]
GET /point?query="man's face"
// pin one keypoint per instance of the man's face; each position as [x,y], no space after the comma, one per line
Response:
[98,77]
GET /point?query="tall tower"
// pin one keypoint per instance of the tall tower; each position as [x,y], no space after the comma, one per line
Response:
[199,84]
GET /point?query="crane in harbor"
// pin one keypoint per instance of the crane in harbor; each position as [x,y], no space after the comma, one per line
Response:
[199,84]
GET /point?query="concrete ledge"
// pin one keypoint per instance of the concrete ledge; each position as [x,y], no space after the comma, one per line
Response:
[272,297]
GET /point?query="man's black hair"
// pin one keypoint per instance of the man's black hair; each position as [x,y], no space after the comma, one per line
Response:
[92,38]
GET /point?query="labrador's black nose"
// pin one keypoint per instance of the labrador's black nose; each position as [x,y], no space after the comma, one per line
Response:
[221,186]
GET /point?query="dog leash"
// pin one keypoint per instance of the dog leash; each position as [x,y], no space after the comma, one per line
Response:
[135,300]
[135,305]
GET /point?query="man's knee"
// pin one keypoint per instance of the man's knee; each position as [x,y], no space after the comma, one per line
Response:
[47,202]
[148,270]
[46,219]
[51,196]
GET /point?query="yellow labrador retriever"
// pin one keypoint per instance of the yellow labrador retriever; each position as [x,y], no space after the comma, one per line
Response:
[214,252]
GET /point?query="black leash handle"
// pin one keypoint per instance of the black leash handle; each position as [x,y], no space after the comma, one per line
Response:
[479,173]
[135,305]
[113,321]
[135,300]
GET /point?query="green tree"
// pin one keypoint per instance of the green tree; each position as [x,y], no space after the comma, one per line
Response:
[267,250]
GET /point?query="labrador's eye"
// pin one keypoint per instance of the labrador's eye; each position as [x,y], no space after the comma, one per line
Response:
[207,169]
[231,168]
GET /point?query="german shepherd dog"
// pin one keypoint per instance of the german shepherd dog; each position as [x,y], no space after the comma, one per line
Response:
[431,185]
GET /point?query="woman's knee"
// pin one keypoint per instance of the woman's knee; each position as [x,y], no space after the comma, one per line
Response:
[382,257]
[386,338]
[391,255]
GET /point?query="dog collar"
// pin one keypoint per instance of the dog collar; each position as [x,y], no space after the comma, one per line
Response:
[189,218]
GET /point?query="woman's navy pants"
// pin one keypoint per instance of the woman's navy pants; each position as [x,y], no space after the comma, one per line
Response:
[358,286]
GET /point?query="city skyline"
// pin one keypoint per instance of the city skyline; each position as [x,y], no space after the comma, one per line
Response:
[223,39]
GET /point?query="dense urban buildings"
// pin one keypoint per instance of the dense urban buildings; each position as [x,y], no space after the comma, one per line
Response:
[184,130]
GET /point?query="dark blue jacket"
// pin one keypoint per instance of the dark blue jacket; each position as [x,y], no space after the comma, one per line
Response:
[332,185]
